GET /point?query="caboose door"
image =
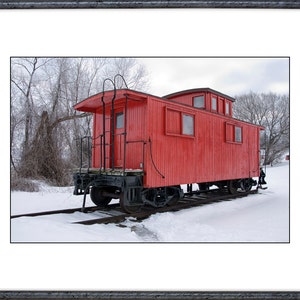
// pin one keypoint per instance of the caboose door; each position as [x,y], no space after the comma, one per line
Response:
[119,139]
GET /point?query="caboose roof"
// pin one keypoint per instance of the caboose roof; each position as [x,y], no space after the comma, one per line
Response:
[197,90]
[93,102]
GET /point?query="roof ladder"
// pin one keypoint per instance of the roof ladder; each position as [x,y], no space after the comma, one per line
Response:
[104,118]
[112,125]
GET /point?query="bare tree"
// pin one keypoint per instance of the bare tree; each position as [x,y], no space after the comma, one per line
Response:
[44,156]
[23,72]
[134,73]
[46,89]
[271,111]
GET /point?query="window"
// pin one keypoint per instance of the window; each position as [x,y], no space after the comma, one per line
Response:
[179,123]
[187,124]
[226,108]
[119,120]
[234,133]
[238,134]
[199,101]
[214,103]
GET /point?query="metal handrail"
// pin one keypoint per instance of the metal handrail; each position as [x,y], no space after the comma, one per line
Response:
[81,152]
[104,117]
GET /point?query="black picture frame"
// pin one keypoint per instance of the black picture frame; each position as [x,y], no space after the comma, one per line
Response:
[103,4]
[150,295]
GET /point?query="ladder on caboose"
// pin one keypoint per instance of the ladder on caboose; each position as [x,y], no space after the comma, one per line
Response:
[107,156]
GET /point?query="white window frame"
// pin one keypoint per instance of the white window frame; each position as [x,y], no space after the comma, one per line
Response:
[202,97]
[214,103]
[188,124]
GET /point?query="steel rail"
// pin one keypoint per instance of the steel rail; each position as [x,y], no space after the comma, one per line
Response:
[60,211]
[115,215]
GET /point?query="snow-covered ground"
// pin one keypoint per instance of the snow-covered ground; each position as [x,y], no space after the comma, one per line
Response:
[257,218]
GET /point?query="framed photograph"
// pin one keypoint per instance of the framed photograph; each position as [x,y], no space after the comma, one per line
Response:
[240,250]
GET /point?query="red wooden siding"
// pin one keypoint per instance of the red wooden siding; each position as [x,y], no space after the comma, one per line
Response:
[210,155]
[135,129]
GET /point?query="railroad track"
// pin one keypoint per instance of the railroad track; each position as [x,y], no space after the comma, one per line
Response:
[53,212]
[113,213]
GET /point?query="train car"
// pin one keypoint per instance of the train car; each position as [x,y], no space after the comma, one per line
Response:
[145,147]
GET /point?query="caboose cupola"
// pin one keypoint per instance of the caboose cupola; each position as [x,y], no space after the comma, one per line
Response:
[205,99]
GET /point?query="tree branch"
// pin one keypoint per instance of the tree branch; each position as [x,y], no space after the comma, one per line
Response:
[67,118]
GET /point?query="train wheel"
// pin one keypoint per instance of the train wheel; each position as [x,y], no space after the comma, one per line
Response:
[246,185]
[128,205]
[239,186]
[98,196]
[233,186]
[175,194]
[159,197]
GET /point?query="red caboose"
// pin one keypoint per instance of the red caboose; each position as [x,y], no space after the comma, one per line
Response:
[145,147]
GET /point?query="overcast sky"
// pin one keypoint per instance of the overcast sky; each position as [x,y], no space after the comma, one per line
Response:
[231,76]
